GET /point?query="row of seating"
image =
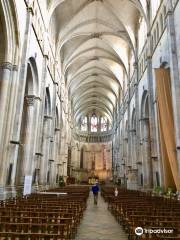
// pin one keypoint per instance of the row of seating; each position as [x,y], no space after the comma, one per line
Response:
[134,209]
[48,215]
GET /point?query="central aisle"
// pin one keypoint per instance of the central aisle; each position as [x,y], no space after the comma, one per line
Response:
[98,223]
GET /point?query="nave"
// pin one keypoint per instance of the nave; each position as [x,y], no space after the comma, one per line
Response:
[69,213]
[98,223]
[89,91]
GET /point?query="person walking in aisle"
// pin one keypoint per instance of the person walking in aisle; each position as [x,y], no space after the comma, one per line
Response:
[95,190]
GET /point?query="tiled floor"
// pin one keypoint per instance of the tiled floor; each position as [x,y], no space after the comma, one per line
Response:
[99,224]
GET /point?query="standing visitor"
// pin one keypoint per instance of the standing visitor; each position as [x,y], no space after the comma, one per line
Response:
[95,190]
[116,192]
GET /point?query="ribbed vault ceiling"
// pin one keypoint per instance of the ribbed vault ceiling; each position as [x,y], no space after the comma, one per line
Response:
[95,40]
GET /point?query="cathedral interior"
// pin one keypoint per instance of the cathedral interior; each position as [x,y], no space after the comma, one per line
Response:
[90,92]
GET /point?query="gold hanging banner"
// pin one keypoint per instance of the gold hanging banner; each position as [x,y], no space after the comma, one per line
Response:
[166,128]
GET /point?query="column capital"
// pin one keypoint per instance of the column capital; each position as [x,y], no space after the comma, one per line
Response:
[149,34]
[169,12]
[51,160]
[144,119]
[38,98]
[135,64]
[169,7]
[15,142]
[45,55]
[15,68]
[39,154]
[6,65]
[30,9]
[133,130]
[48,117]
[57,129]
[149,57]
[55,83]
[155,158]
[30,99]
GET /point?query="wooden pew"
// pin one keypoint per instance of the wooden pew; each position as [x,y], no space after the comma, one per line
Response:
[39,216]
[134,209]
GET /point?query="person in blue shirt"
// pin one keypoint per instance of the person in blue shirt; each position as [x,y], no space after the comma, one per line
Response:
[95,190]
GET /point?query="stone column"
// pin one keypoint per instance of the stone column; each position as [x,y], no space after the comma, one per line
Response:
[133,179]
[29,145]
[137,107]
[140,161]
[53,135]
[129,124]
[6,77]
[174,71]
[40,121]
[64,169]
[134,149]
[147,158]
[51,172]
[7,151]
[55,155]
[15,137]
[88,123]
[59,170]
[41,110]
[152,116]
[55,86]
[22,77]
[45,149]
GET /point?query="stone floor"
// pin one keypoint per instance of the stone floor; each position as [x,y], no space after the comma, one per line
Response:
[99,224]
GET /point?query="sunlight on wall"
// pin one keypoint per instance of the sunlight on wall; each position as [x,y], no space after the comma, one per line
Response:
[154,7]
[144,5]
[118,71]
[142,33]
[120,47]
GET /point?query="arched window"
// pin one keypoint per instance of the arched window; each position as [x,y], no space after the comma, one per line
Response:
[103,124]
[94,123]
[84,126]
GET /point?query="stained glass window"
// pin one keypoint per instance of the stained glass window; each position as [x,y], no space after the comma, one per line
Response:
[84,124]
[103,124]
[94,123]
